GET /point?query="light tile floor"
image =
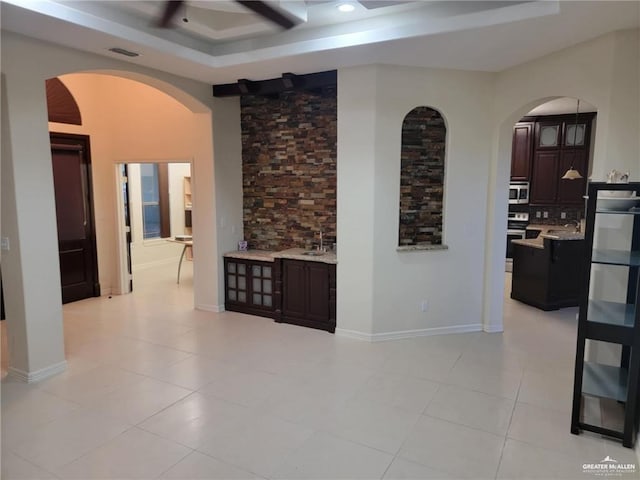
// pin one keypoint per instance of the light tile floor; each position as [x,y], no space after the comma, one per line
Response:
[155,389]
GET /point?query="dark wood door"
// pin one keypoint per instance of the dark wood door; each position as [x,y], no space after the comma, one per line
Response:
[521,151]
[572,191]
[544,177]
[124,175]
[74,214]
[295,288]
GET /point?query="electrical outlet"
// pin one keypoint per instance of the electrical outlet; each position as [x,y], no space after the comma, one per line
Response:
[4,244]
[424,306]
[545,214]
[563,215]
[538,214]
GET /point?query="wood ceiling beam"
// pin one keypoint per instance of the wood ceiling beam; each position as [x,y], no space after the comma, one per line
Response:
[274,86]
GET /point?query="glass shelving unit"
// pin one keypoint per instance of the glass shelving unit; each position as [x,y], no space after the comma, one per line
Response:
[607,321]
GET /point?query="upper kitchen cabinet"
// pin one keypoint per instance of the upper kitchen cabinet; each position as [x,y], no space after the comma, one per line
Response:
[560,143]
[521,151]
[545,177]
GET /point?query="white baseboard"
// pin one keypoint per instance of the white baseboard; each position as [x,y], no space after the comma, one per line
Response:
[400,334]
[210,308]
[493,328]
[31,377]
[341,332]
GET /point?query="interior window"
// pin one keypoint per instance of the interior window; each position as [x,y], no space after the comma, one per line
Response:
[155,195]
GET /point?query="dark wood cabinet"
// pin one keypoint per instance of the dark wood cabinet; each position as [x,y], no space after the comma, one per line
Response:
[548,278]
[544,178]
[521,151]
[308,294]
[249,286]
[559,144]
[294,288]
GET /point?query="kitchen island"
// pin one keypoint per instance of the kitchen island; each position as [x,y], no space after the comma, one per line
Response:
[547,270]
[294,286]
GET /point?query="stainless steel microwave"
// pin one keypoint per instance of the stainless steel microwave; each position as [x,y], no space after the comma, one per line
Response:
[518,192]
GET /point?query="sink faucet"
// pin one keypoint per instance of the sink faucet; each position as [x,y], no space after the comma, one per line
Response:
[320,247]
[574,223]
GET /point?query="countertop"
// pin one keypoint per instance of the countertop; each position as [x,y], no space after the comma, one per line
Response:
[560,232]
[260,255]
[291,253]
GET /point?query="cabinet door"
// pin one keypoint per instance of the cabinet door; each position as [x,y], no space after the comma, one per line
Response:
[572,191]
[521,150]
[293,288]
[261,285]
[236,281]
[544,178]
[548,135]
[317,292]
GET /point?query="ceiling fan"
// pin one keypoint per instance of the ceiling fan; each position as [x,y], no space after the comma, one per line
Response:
[262,8]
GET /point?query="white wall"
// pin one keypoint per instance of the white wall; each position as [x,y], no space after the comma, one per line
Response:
[357,93]
[228,188]
[386,287]
[379,289]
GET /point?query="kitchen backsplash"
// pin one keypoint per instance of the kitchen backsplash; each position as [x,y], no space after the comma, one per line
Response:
[554,213]
[289,169]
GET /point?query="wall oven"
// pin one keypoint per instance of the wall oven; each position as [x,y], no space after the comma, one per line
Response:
[516,230]
[519,193]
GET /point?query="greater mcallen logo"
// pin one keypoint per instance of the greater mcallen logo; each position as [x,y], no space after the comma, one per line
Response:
[608,466]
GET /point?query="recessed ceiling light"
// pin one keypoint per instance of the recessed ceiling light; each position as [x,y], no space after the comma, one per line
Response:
[346,7]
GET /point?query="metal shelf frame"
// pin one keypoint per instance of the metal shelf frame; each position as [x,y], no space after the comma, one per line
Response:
[613,322]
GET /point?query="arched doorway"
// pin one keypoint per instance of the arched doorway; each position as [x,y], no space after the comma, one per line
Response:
[133,120]
[34,325]
[498,208]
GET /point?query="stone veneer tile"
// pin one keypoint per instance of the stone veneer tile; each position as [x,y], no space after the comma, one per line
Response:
[289,169]
[422,177]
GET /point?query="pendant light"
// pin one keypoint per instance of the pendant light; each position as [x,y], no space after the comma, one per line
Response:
[572,173]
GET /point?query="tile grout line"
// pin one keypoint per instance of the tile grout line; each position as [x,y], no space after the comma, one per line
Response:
[32,463]
[506,435]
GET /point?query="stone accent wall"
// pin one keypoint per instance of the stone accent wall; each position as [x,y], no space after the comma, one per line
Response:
[422,177]
[289,169]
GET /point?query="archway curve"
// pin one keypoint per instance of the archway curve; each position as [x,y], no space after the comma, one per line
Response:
[190,102]
[498,208]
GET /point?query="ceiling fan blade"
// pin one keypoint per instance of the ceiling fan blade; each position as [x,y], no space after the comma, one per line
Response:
[267,11]
[170,10]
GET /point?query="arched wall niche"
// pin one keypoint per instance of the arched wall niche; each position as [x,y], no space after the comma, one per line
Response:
[422,170]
